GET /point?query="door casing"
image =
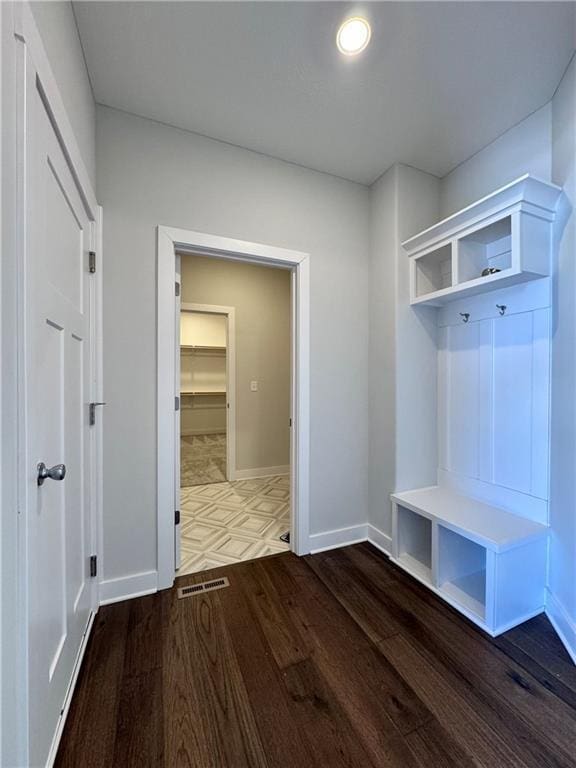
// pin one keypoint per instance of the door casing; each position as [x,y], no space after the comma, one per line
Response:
[170,242]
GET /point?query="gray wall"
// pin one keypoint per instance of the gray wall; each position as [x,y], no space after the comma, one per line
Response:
[403,443]
[562,577]
[57,27]
[382,392]
[149,174]
[525,148]
[261,298]
[416,330]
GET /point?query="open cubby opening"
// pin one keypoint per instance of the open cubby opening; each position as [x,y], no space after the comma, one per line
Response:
[434,271]
[487,248]
[415,542]
[462,571]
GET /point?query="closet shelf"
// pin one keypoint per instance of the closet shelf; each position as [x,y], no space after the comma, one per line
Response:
[491,527]
[201,348]
[202,393]
[507,234]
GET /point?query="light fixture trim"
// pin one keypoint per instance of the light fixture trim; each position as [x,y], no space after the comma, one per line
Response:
[353,36]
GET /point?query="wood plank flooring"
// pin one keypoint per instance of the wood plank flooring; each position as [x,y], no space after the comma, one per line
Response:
[337,659]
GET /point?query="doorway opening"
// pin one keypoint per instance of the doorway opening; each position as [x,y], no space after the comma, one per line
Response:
[270,486]
[234,372]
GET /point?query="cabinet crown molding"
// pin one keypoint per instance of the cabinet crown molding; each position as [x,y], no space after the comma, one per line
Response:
[527,192]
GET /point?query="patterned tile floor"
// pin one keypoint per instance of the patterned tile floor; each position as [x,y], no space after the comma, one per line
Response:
[202,459]
[225,523]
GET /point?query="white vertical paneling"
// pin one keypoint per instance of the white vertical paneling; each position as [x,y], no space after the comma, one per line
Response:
[463,402]
[494,409]
[540,403]
[443,397]
[512,436]
[486,402]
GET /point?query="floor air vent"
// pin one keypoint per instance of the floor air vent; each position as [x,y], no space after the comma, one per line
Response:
[203,586]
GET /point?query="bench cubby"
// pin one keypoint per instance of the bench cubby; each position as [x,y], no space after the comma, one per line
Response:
[484,561]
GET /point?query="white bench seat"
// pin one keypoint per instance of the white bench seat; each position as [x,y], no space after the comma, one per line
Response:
[489,526]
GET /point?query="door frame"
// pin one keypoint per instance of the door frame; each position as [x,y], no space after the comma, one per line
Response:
[230,314]
[171,241]
[23,55]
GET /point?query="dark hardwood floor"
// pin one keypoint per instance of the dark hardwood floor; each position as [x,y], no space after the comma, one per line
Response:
[338,659]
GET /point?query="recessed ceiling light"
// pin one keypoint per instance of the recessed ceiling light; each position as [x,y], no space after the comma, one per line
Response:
[353,36]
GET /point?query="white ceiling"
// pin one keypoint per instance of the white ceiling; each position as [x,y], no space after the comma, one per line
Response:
[438,82]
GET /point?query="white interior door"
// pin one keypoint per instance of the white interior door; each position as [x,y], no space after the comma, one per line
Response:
[177,417]
[59,236]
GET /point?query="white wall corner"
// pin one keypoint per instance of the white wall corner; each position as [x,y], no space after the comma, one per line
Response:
[562,622]
[127,587]
[380,540]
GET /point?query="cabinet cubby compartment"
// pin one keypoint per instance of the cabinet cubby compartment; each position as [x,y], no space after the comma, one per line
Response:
[433,271]
[462,571]
[414,543]
[509,230]
[486,248]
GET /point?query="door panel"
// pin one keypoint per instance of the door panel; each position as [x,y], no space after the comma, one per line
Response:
[58,388]
[178,414]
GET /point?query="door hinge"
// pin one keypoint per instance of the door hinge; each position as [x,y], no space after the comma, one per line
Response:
[177,517]
[92,413]
[92,261]
[176,403]
[93,565]
[177,289]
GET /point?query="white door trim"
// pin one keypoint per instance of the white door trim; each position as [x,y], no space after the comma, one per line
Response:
[230,314]
[170,240]
[25,51]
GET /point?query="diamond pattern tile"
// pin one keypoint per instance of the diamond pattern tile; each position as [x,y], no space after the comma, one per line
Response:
[251,524]
[218,514]
[225,523]
[235,547]
[266,506]
[202,459]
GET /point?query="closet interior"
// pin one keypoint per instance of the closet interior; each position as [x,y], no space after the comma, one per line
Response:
[203,397]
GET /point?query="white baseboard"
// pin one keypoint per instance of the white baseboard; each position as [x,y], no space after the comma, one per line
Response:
[380,539]
[562,622]
[500,629]
[340,537]
[127,587]
[69,693]
[252,474]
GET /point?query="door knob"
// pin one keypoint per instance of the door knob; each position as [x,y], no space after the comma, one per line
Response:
[57,472]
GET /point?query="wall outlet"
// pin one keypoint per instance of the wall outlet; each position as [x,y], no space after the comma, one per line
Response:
[253,386]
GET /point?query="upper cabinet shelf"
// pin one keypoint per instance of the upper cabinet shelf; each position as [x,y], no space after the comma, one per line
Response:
[508,232]
[191,349]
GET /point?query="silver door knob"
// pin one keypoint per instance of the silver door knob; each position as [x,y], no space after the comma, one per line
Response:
[57,472]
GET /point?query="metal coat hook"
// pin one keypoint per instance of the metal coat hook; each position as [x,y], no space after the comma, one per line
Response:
[501,308]
[465,316]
